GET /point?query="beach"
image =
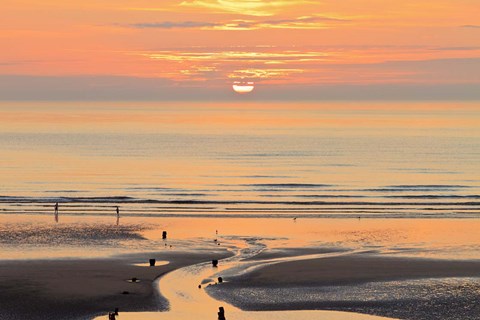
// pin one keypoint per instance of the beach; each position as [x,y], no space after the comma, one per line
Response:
[83,288]
[94,285]
[262,269]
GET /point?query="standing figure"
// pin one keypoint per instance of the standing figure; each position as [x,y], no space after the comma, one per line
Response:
[118,215]
[221,313]
[56,212]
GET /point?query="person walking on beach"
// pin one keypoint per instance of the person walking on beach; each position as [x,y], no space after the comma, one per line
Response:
[56,212]
[118,215]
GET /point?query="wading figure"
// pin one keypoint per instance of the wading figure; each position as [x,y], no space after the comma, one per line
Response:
[118,215]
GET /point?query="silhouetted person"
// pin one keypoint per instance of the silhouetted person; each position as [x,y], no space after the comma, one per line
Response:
[118,215]
[56,212]
[221,314]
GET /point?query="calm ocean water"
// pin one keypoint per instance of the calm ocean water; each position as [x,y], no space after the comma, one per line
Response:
[320,159]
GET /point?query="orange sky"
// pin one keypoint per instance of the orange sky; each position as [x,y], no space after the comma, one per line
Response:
[211,43]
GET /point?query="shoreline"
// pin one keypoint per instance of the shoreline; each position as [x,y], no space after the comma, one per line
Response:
[265,215]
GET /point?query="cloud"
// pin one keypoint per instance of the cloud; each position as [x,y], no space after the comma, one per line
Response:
[173,25]
[236,56]
[245,7]
[305,22]
[456,49]
[264,73]
[471,26]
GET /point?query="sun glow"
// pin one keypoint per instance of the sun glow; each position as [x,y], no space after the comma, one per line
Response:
[243,87]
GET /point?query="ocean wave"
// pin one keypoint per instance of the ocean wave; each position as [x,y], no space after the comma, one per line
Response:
[132,200]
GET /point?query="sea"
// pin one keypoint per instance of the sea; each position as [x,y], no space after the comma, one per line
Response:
[241,159]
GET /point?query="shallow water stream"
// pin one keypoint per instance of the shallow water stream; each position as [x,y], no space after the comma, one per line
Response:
[188,301]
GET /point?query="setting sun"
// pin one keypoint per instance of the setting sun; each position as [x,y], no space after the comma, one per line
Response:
[243,87]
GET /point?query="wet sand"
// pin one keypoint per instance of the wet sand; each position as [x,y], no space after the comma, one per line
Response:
[355,269]
[84,288]
[188,301]
[396,287]
[39,281]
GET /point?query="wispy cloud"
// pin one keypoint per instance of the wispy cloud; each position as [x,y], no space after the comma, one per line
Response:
[173,25]
[471,26]
[260,64]
[264,73]
[318,65]
[229,56]
[245,7]
[305,22]
[457,48]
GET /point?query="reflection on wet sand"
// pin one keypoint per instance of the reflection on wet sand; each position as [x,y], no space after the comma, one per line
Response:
[184,289]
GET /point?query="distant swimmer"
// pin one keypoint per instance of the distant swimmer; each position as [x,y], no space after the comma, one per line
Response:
[295,219]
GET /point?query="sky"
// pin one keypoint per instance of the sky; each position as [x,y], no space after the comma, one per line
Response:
[196,49]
